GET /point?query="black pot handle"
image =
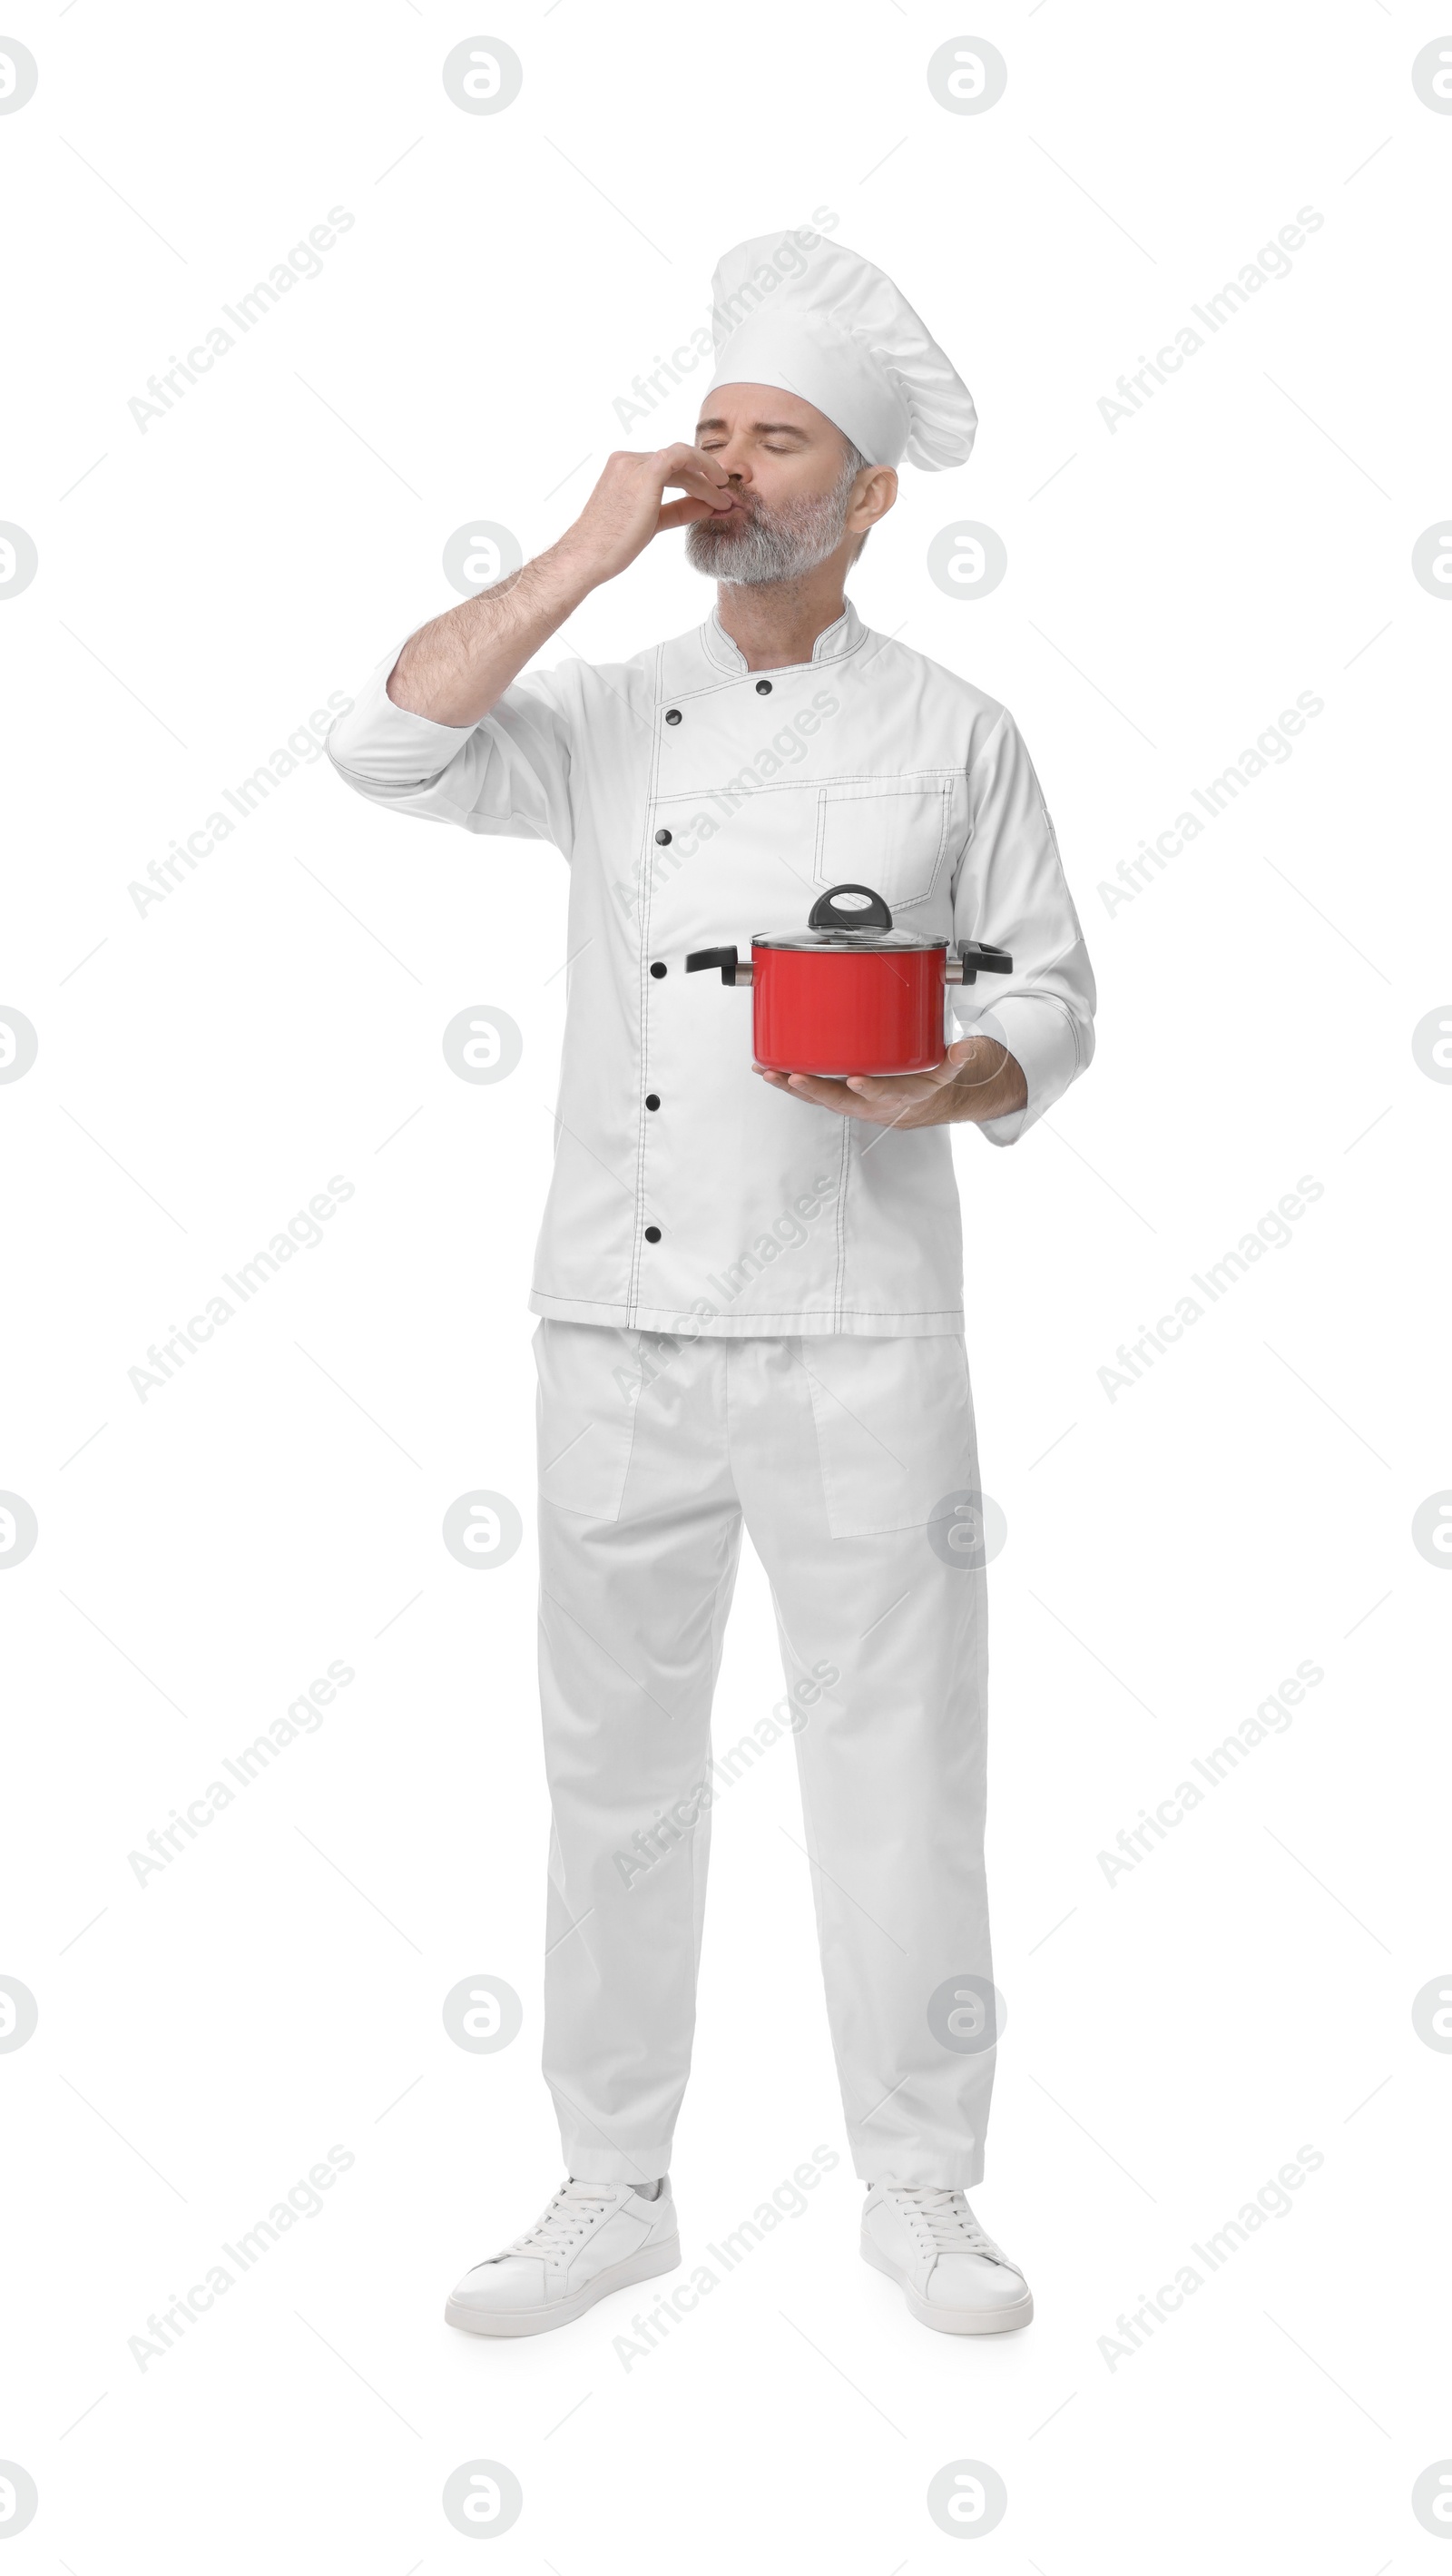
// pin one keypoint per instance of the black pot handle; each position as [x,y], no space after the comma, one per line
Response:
[732,971]
[975,959]
[826,914]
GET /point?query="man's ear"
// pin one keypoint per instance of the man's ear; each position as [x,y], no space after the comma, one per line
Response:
[874,500]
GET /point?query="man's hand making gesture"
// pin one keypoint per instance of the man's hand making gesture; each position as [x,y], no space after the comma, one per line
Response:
[456,667]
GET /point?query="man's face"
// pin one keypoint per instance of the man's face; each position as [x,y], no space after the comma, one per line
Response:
[794,479]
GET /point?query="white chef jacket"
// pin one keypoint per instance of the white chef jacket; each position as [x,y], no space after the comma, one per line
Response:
[698,802]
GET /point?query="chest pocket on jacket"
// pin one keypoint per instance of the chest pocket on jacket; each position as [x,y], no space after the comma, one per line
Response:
[887,833]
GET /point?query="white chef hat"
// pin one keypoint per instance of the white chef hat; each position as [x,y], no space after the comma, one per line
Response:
[794,310]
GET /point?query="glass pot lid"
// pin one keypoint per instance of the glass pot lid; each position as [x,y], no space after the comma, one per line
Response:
[851,918]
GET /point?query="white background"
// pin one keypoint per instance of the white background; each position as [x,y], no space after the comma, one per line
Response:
[1172,2037]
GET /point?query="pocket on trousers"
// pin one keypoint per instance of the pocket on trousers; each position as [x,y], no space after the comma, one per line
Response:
[895,1432]
[887,833]
[589,1380]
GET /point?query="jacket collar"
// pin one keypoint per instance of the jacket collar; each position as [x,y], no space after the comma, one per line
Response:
[843,636]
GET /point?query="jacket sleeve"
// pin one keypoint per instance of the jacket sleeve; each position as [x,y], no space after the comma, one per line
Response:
[1010,892]
[512,773]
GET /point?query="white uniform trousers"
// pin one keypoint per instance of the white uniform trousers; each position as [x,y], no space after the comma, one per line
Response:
[853,1462]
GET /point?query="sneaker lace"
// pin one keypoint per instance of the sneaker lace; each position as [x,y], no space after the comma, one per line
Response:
[574,2209]
[948,2223]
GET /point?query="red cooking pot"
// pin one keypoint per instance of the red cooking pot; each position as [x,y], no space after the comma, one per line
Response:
[849,994]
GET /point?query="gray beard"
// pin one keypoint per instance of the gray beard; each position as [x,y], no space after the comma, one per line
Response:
[775,545]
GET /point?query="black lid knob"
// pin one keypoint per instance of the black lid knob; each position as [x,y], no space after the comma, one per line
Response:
[849,907]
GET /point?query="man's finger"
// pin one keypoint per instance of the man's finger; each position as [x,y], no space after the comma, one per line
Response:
[691,465]
[720,495]
[902,1086]
[889,1095]
[824,1093]
[681,514]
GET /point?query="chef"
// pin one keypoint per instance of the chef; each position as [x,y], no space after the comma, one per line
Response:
[749,1282]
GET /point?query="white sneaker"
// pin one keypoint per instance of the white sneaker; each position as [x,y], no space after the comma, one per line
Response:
[953,2276]
[594,2237]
